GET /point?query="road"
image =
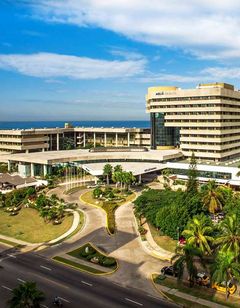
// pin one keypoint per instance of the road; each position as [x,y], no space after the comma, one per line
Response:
[77,289]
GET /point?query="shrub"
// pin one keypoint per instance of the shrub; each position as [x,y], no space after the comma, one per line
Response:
[109,262]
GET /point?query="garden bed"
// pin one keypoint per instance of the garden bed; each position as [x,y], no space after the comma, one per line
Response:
[91,254]
[80,267]
[163,241]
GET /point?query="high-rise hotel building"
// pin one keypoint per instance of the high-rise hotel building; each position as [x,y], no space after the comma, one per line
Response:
[205,120]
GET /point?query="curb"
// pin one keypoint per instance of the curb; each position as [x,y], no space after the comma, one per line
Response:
[159,291]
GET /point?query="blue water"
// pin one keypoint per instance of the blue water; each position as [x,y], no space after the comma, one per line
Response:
[52,124]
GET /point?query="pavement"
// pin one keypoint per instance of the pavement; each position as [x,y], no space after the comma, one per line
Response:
[75,288]
[135,264]
[188,297]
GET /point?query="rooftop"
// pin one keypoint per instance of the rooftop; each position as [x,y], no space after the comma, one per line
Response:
[54,157]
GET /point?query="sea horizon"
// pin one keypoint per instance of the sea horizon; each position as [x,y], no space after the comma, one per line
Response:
[60,124]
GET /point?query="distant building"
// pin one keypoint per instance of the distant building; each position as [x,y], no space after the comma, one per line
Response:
[205,120]
[55,139]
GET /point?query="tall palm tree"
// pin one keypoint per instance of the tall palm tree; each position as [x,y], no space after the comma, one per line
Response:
[26,295]
[225,268]
[198,233]
[212,197]
[118,168]
[229,238]
[186,257]
[107,171]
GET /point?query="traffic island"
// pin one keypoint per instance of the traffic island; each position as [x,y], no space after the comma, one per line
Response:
[197,296]
[108,204]
[89,259]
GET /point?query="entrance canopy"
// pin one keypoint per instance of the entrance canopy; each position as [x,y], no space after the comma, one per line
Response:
[138,168]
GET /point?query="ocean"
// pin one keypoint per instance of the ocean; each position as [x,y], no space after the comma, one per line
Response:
[53,124]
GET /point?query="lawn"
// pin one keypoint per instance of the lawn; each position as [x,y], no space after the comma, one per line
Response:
[29,227]
[163,241]
[201,292]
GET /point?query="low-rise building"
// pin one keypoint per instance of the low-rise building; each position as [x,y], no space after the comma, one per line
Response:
[55,139]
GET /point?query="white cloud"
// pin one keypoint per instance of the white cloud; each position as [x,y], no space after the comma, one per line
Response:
[50,65]
[208,29]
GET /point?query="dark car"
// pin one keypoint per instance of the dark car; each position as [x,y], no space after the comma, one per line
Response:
[169,270]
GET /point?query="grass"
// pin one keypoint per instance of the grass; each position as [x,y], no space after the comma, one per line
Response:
[108,206]
[184,302]
[163,241]
[104,260]
[201,292]
[81,267]
[10,243]
[79,227]
[30,227]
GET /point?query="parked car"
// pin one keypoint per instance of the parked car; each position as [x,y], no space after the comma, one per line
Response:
[203,279]
[222,287]
[169,270]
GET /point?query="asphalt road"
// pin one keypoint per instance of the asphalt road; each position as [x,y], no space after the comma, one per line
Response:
[77,289]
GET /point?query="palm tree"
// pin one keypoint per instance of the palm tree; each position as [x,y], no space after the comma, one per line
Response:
[225,268]
[229,238]
[186,257]
[118,168]
[26,295]
[212,197]
[198,233]
[107,170]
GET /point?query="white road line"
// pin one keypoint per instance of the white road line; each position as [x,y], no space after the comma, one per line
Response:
[47,268]
[12,256]
[63,299]
[87,283]
[130,300]
[19,279]
[7,288]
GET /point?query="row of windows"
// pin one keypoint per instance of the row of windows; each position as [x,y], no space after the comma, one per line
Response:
[193,98]
[212,143]
[201,120]
[213,128]
[203,113]
[205,174]
[212,151]
[195,106]
[211,136]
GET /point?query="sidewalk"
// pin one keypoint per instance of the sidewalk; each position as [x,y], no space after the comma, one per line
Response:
[150,246]
[188,297]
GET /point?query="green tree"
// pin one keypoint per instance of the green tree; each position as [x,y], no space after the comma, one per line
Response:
[186,257]
[118,168]
[107,171]
[229,237]
[198,233]
[192,183]
[26,295]
[166,173]
[225,268]
[68,143]
[212,197]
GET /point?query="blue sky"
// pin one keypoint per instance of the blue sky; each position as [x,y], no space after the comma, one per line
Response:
[94,60]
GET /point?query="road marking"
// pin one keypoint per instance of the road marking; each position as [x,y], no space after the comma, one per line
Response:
[7,288]
[130,300]
[63,299]
[87,283]
[47,268]
[19,279]
[41,305]
[12,256]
